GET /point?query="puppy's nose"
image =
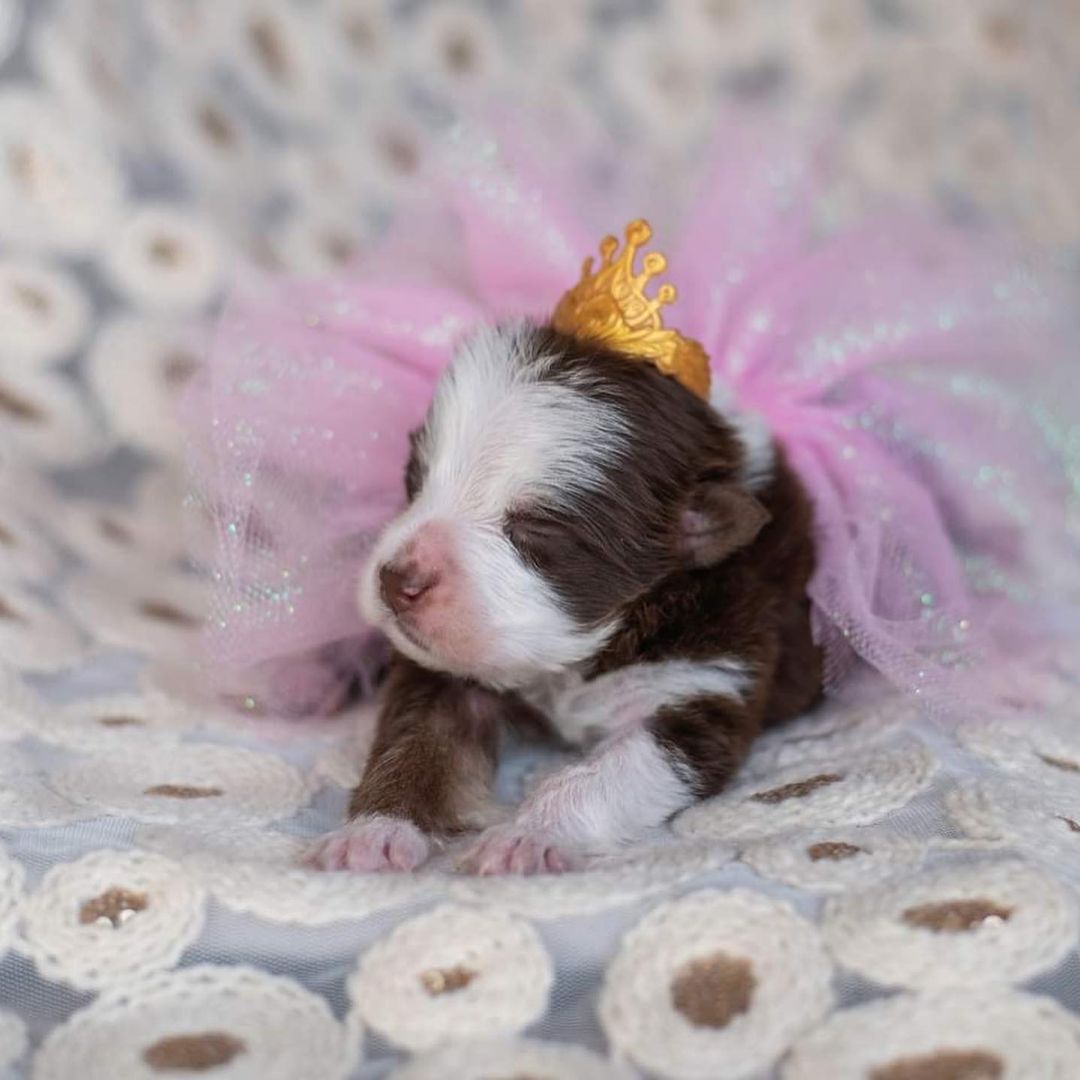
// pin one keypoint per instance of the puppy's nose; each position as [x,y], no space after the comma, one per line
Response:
[401,585]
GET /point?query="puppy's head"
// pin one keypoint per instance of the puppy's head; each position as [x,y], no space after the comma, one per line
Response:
[551,485]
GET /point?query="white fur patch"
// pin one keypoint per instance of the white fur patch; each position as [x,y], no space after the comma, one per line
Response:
[497,436]
[757,442]
[624,788]
[583,712]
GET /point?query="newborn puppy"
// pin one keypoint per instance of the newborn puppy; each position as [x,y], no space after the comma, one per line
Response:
[587,539]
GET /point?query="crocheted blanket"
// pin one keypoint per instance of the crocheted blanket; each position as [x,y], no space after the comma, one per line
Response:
[875,897]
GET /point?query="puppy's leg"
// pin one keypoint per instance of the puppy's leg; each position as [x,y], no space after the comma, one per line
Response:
[427,777]
[634,780]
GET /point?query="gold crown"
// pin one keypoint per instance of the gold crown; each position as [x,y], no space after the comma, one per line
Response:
[610,307]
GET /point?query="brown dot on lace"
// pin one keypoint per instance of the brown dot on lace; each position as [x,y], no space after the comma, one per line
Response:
[710,991]
[439,981]
[32,298]
[833,850]
[183,791]
[956,916]
[1064,764]
[116,721]
[163,611]
[193,1053]
[270,49]
[797,790]
[945,1065]
[116,905]
[20,408]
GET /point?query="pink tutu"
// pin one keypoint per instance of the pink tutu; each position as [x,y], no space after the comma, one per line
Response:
[915,372]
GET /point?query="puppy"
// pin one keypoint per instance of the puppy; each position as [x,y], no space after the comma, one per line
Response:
[588,540]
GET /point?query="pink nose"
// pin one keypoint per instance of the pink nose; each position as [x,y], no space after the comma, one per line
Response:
[402,584]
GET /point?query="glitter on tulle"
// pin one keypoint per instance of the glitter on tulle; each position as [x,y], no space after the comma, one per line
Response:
[915,374]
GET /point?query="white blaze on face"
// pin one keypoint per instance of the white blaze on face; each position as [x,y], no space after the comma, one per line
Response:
[499,437]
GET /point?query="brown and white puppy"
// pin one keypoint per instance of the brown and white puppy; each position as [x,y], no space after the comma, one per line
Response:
[587,539]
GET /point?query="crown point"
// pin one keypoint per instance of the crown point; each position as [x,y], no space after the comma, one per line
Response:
[638,232]
[666,294]
[654,263]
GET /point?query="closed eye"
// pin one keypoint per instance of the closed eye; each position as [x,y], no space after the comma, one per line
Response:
[542,540]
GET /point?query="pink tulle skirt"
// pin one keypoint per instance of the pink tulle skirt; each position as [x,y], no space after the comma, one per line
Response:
[922,377]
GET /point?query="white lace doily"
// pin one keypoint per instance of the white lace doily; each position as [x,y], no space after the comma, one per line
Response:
[110,916]
[454,973]
[715,984]
[987,923]
[844,790]
[971,1032]
[236,1021]
[194,783]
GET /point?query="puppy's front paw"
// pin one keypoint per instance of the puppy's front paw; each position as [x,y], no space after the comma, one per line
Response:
[371,843]
[514,849]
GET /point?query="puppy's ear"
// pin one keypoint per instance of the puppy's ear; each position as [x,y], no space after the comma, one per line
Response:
[718,519]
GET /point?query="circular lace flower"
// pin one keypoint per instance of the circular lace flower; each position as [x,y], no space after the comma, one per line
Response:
[855,790]
[616,880]
[156,613]
[109,916]
[116,539]
[392,145]
[989,923]
[207,133]
[454,973]
[1045,753]
[238,1021]
[44,313]
[44,419]
[510,1057]
[11,886]
[832,43]
[317,243]
[456,48]
[833,730]
[995,37]
[195,783]
[714,984]
[13,1040]
[833,860]
[975,1032]
[32,636]
[165,259]
[363,38]
[897,145]
[736,34]
[667,83]
[278,59]
[81,54]
[117,720]
[555,33]
[1043,822]
[138,368]
[58,189]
